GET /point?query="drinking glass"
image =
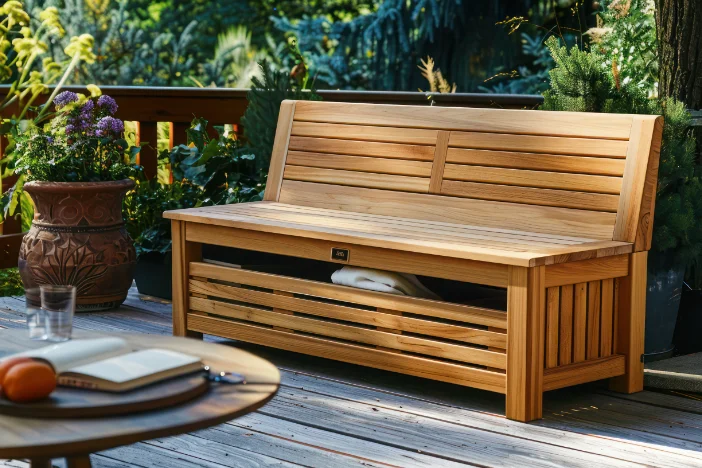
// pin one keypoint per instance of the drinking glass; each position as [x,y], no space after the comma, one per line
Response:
[36,317]
[59,304]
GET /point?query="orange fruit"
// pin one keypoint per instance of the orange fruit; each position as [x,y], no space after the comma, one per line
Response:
[29,381]
[8,363]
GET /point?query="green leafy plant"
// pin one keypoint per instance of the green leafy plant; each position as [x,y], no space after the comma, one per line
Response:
[580,83]
[29,69]
[10,283]
[223,169]
[267,93]
[143,212]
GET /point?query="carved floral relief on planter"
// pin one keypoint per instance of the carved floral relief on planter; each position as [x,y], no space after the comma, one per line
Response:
[78,238]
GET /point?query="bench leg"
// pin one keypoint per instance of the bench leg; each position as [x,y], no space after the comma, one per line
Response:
[629,327]
[184,252]
[525,342]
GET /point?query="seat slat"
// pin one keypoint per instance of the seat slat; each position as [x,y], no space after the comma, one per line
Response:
[499,215]
[462,235]
[524,178]
[537,162]
[361,148]
[436,226]
[357,179]
[539,144]
[360,163]
[531,196]
[412,136]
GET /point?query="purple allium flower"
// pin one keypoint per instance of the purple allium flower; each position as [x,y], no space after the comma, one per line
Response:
[109,125]
[87,108]
[65,98]
[107,103]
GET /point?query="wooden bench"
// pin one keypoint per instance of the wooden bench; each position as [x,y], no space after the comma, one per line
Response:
[555,207]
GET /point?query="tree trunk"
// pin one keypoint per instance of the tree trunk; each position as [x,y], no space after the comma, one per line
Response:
[679,31]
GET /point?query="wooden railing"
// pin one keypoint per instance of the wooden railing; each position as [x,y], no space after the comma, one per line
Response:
[177,106]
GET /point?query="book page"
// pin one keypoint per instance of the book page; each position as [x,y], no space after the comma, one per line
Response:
[63,356]
[147,365]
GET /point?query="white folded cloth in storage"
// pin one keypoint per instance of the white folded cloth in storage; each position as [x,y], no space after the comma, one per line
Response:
[402,284]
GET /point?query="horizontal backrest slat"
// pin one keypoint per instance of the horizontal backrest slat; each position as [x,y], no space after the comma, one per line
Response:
[365,133]
[359,163]
[524,122]
[538,162]
[540,144]
[545,172]
[357,179]
[362,148]
[542,179]
[531,196]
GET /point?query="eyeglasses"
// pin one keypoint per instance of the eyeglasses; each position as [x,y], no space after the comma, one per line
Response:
[231,378]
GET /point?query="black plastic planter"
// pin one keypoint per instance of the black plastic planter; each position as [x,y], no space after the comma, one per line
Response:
[688,331]
[663,293]
[153,275]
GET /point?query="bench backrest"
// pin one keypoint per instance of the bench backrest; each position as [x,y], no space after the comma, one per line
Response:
[559,173]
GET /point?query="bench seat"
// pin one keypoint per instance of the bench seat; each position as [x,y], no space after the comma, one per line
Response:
[485,244]
[554,208]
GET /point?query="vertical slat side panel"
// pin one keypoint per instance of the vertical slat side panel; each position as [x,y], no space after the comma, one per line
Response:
[552,312]
[593,319]
[579,322]
[565,345]
[437,168]
[525,342]
[607,317]
[280,151]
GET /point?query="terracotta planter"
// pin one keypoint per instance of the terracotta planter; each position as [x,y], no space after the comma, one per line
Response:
[78,238]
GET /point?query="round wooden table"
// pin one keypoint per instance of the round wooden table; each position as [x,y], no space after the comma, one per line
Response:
[40,440]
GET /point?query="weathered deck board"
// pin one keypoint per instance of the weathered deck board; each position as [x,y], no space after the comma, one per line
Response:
[333,414]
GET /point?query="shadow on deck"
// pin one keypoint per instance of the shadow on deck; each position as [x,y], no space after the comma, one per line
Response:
[331,414]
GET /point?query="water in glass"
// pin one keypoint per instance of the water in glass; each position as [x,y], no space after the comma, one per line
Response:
[36,317]
[59,304]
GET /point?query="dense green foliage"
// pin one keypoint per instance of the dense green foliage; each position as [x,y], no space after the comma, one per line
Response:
[24,44]
[143,212]
[352,44]
[10,283]
[265,97]
[220,167]
[579,82]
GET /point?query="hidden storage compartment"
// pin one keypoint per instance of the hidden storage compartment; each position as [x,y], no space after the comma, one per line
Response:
[296,296]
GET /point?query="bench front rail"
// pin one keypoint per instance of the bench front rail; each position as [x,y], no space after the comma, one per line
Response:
[496,198]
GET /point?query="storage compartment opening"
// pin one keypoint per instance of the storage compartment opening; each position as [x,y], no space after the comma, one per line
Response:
[456,292]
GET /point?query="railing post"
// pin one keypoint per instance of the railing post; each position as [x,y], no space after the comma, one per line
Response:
[147,136]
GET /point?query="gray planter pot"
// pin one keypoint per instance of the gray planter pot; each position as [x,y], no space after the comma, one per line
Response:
[663,293]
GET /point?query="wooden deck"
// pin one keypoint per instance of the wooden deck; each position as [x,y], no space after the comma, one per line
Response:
[329,414]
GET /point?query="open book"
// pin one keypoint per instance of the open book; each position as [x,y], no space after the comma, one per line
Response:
[109,364]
